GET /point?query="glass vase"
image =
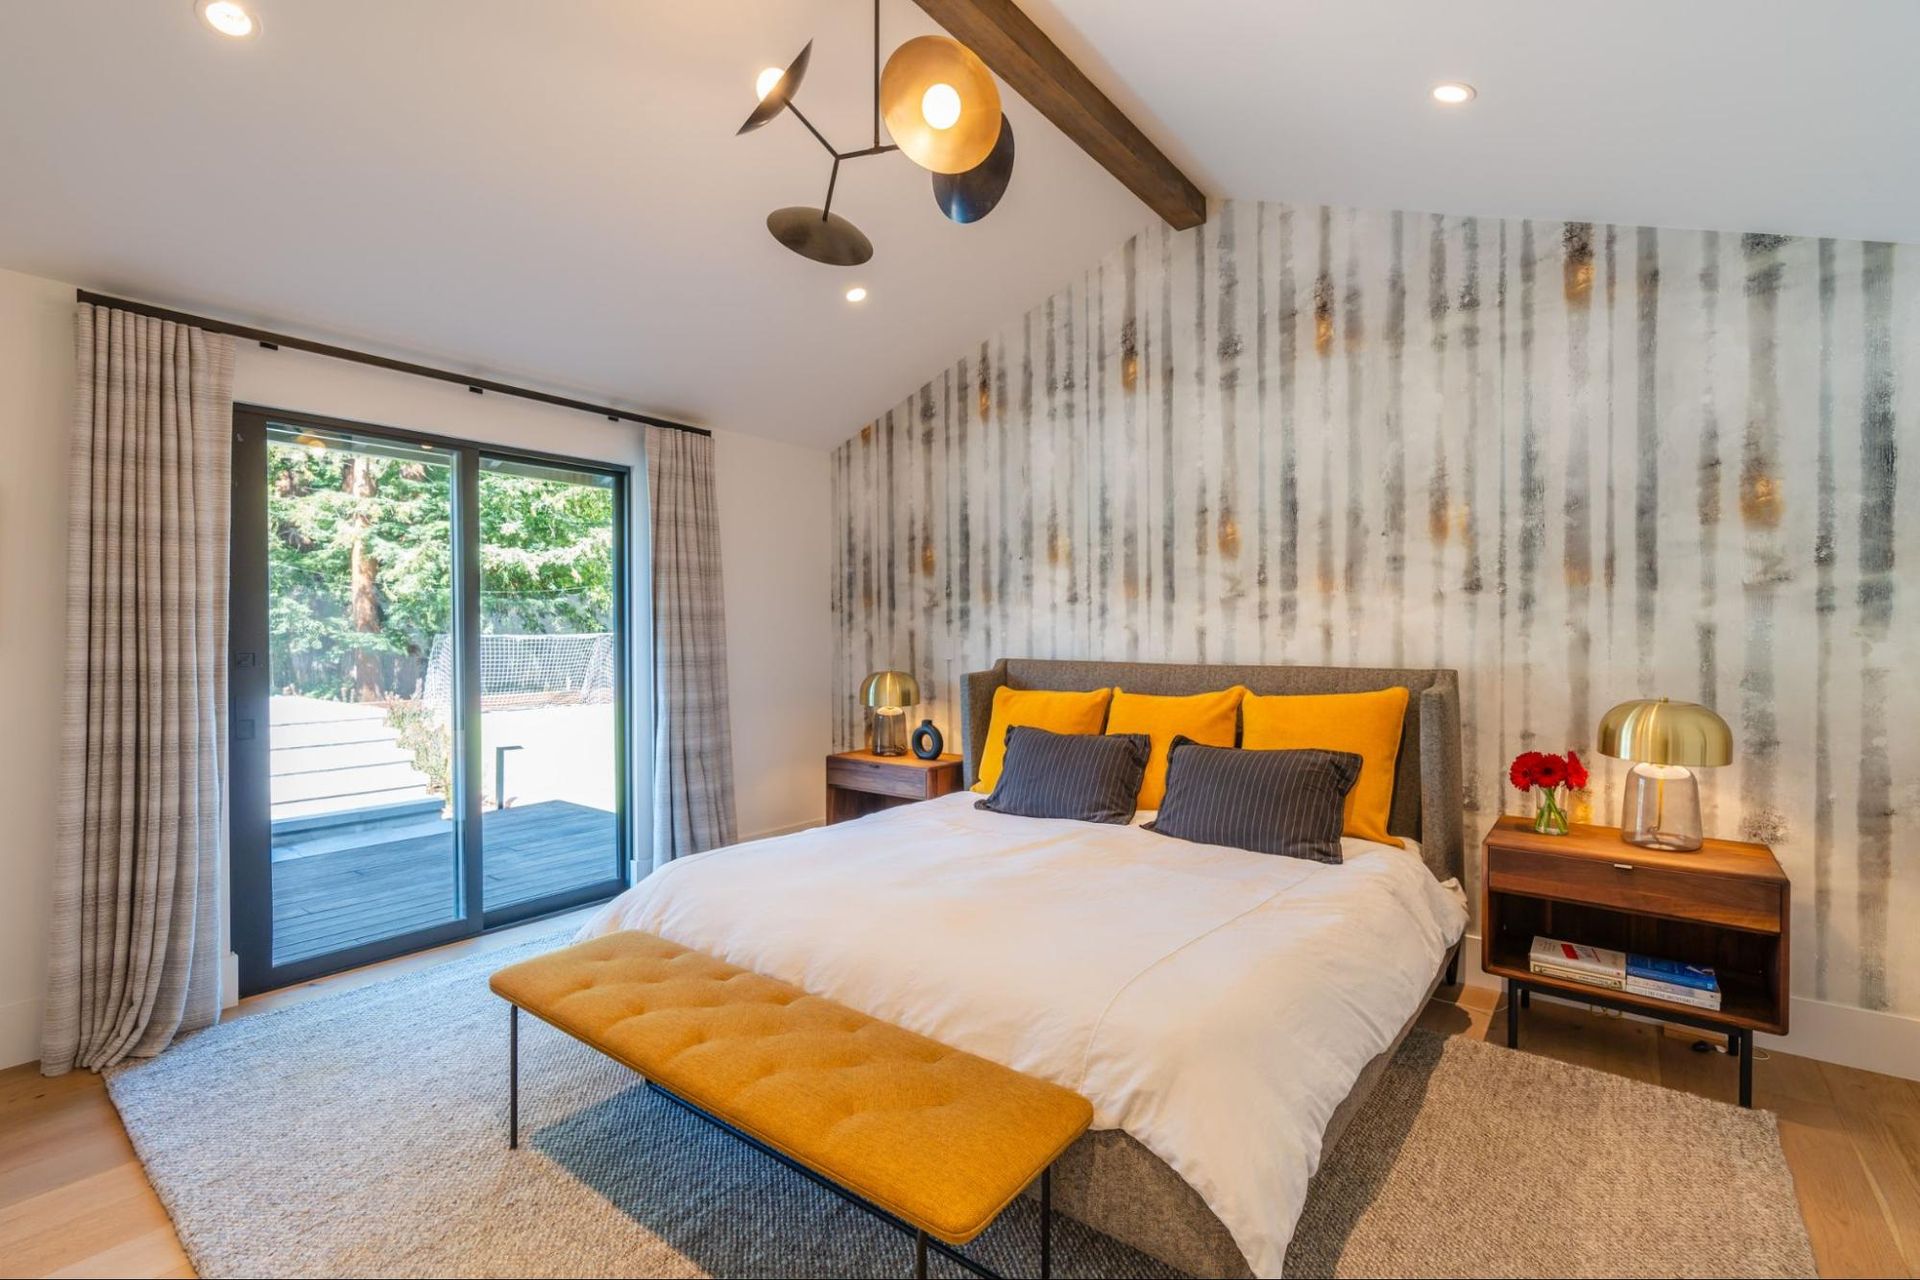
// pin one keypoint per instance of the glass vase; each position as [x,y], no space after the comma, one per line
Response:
[1549,815]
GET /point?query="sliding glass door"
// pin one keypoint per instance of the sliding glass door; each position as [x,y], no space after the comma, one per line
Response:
[550,740]
[429,654]
[359,582]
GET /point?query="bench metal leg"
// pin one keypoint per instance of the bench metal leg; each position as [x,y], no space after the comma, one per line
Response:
[513,1077]
[923,1244]
[1046,1223]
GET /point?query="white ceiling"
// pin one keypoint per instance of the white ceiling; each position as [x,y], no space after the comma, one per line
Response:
[552,191]
[1796,116]
[547,191]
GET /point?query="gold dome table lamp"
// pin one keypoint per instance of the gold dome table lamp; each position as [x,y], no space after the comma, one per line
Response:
[888,694]
[1666,740]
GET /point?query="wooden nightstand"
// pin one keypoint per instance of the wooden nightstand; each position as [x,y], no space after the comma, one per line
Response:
[859,782]
[1727,905]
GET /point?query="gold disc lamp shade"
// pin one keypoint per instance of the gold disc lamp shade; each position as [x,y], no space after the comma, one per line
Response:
[1666,740]
[888,694]
[940,104]
[820,235]
[780,93]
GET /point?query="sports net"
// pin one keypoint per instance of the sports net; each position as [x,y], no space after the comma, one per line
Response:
[526,671]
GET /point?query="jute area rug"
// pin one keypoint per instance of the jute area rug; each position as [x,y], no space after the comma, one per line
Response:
[364,1134]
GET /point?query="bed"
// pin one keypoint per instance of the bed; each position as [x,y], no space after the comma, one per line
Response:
[1195,994]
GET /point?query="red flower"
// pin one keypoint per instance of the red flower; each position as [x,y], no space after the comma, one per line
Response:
[1532,769]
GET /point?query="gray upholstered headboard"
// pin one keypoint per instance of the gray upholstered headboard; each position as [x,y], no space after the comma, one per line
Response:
[1427,787]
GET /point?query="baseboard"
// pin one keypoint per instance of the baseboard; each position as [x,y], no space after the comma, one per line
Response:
[19,1032]
[1866,1038]
[1851,1037]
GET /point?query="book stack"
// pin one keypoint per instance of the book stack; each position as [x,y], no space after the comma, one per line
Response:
[1575,962]
[1635,974]
[1670,980]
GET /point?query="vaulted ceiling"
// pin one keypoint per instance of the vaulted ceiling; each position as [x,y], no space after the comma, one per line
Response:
[549,191]
[1734,115]
[553,192]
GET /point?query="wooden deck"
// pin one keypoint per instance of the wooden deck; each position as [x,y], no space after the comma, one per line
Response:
[330,901]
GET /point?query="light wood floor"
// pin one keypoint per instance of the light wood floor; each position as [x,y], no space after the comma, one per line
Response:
[75,1202]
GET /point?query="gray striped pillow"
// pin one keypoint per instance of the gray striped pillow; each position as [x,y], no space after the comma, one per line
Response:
[1089,777]
[1291,803]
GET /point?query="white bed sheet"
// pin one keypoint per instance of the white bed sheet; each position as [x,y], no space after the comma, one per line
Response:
[1215,1004]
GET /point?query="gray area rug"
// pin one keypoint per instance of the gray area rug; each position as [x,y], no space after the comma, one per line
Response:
[365,1134]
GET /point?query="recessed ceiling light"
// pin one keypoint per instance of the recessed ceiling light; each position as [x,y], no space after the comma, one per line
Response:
[1453,93]
[857,294]
[764,82]
[229,18]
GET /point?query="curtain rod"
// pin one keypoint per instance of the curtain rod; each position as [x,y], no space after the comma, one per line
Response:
[274,341]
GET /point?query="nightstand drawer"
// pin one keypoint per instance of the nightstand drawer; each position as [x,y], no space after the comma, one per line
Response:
[1682,895]
[877,777]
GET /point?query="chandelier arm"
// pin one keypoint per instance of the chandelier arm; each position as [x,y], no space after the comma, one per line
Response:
[832,179]
[818,136]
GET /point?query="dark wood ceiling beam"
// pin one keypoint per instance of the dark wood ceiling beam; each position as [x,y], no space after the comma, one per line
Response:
[1033,66]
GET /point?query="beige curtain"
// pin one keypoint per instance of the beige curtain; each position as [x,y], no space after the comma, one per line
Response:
[135,935]
[692,738]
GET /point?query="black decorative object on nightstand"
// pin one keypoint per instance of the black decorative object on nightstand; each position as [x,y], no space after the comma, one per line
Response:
[927,742]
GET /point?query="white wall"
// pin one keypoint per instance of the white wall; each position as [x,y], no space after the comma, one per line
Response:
[36,406]
[773,523]
[773,551]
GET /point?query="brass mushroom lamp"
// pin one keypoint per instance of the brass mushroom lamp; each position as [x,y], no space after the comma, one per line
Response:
[888,694]
[1666,740]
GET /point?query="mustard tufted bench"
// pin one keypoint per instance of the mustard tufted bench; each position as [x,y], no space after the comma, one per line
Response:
[935,1141]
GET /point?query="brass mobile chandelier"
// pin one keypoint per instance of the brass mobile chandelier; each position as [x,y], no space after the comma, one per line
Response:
[942,109]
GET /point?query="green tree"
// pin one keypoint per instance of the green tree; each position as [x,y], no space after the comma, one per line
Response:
[546,555]
[360,568]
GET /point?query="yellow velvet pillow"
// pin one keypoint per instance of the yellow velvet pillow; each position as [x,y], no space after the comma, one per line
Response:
[1367,724]
[1038,709]
[1207,718]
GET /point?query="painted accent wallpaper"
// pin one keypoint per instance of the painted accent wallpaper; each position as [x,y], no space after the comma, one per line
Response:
[1579,463]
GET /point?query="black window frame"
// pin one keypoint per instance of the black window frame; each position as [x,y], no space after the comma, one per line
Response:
[249,768]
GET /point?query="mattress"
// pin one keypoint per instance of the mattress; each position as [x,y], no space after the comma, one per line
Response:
[1215,1005]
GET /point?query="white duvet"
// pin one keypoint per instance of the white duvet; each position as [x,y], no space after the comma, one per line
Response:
[1215,1004]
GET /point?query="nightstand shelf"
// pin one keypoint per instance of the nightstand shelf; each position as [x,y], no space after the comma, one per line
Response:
[1744,1001]
[860,782]
[1727,906]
